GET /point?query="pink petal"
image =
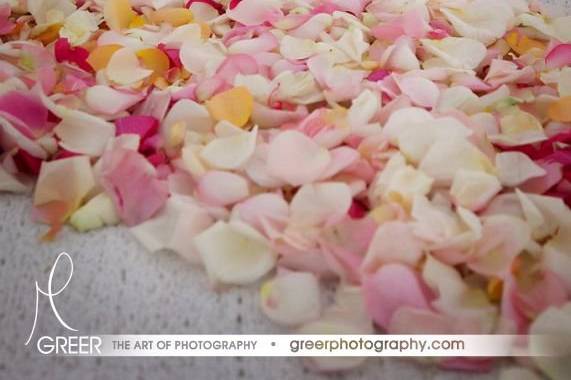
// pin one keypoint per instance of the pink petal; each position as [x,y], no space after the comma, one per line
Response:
[255,12]
[109,101]
[383,297]
[27,111]
[560,56]
[236,64]
[219,7]
[6,26]
[132,183]
[219,188]
[144,126]
[64,52]
[394,242]
[421,91]
[297,159]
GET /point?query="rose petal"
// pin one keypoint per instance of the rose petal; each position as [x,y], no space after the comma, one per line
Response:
[296,159]
[230,152]
[234,253]
[219,188]
[291,298]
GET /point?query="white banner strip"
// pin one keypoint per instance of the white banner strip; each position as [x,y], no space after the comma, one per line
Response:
[295,345]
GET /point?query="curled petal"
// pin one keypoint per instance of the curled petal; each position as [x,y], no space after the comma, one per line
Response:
[174,227]
[124,68]
[108,101]
[234,253]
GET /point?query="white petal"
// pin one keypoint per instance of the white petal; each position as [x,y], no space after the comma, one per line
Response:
[421,91]
[401,119]
[291,298]
[234,253]
[201,58]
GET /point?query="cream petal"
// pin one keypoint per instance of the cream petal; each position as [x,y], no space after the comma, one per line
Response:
[230,152]
[291,298]
[173,228]
[401,119]
[124,68]
[234,253]
[446,157]
[363,109]
[83,133]
[195,116]
[297,48]
[473,189]
[201,58]
[457,52]
[549,342]
[316,204]
[98,212]
[67,180]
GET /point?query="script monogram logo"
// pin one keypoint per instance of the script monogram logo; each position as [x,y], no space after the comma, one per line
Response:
[50,293]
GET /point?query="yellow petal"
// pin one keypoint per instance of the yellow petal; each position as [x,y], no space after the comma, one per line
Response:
[118,14]
[154,59]
[561,110]
[173,16]
[100,56]
[50,34]
[234,105]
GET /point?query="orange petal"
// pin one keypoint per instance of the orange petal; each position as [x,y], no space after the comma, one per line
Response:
[50,34]
[137,22]
[521,44]
[173,16]
[118,14]
[100,56]
[561,110]
[234,105]
[154,59]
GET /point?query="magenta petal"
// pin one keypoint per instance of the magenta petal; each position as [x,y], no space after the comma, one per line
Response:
[559,56]
[219,7]
[26,163]
[64,52]
[6,26]
[27,109]
[144,126]
[378,75]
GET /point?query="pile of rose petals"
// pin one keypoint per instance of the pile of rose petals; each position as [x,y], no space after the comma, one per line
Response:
[416,154]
